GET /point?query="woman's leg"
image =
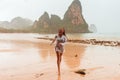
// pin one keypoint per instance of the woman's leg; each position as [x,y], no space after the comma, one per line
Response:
[60,57]
[61,53]
[58,62]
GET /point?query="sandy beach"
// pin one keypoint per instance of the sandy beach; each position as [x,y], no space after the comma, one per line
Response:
[24,57]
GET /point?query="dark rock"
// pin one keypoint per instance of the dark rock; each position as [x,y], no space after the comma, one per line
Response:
[81,71]
[76,55]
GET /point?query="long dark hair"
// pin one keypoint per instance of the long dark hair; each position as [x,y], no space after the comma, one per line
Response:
[64,32]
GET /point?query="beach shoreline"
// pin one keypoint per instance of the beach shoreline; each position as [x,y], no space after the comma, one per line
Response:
[35,59]
[90,41]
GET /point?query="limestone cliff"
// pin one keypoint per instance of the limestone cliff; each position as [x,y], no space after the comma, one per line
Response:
[44,20]
[73,21]
[74,13]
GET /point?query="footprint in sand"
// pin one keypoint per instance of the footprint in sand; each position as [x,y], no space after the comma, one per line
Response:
[38,75]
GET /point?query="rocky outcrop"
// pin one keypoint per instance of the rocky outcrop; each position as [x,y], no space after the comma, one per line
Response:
[20,23]
[73,18]
[44,20]
[47,24]
[55,20]
[74,13]
[89,41]
[73,21]
[16,23]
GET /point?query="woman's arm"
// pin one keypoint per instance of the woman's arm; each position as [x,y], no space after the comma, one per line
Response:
[53,40]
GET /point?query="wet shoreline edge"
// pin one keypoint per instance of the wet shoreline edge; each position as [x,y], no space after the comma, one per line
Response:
[89,41]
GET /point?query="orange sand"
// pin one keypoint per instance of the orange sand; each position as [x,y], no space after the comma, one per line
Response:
[36,60]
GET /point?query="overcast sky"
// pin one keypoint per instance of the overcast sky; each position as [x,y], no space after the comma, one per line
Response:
[105,14]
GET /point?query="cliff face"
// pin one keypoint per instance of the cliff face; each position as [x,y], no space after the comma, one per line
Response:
[55,20]
[47,24]
[73,21]
[44,20]
[74,13]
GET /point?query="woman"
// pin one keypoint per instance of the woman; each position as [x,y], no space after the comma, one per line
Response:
[59,47]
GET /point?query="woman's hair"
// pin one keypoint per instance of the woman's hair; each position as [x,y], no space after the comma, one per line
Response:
[64,32]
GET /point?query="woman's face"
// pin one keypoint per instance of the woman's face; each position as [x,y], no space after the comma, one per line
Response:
[60,32]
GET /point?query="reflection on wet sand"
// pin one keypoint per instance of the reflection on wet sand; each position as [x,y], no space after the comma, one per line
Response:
[73,55]
[59,78]
[45,50]
[44,53]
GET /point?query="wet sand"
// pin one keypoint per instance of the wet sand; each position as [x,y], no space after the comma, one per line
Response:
[28,58]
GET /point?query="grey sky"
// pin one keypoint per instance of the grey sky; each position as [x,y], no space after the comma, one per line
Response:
[105,14]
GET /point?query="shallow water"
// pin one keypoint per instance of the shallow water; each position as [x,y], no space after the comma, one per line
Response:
[23,54]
